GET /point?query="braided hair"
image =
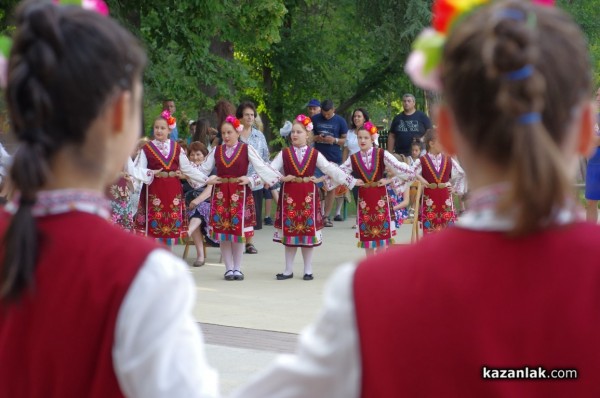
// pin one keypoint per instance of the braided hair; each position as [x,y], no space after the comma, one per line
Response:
[513,75]
[66,64]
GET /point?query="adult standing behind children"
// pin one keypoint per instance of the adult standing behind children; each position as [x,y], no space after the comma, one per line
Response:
[329,137]
[407,127]
[86,309]
[592,175]
[512,289]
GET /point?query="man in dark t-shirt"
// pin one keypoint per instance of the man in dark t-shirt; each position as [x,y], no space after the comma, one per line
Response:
[329,136]
[407,127]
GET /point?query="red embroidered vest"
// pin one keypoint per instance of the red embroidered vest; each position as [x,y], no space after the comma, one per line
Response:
[428,169]
[58,340]
[293,166]
[157,161]
[236,166]
[432,315]
[359,170]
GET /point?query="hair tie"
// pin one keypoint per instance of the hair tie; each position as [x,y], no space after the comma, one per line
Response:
[530,118]
[520,74]
[234,121]
[305,121]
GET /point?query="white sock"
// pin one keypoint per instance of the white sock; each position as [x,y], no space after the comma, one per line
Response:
[227,254]
[307,255]
[238,251]
[339,203]
[290,253]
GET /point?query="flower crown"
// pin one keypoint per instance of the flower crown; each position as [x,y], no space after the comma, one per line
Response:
[305,121]
[171,121]
[234,121]
[423,64]
[98,6]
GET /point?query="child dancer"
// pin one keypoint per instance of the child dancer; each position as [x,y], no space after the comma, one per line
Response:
[120,194]
[516,281]
[232,206]
[376,222]
[198,204]
[161,209]
[441,175]
[86,309]
[298,222]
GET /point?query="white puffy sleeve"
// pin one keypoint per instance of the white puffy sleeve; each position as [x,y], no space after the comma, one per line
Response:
[263,170]
[338,175]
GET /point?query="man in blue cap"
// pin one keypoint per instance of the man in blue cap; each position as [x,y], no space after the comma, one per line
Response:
[314,107]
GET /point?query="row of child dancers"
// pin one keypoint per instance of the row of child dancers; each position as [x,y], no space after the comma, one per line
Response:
[226,204]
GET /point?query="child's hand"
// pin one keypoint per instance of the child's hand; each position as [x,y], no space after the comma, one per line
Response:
[155,172]
[244,180]
[179,174]
[317,180]
[212,180]
[288,178]
[359,183]
[383,182]
[194,203]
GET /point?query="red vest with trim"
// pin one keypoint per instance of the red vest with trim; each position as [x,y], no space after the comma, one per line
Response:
[432,315]
[237,166]
[356,161]
[305,168]
[57,340]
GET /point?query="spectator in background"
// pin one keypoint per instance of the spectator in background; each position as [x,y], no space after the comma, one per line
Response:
[313,107]
[329,136]
[407,127]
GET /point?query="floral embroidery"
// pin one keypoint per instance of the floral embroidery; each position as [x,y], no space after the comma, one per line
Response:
[164,221]
[120,205]
[298,216]
[374,224]
[435,219]
[229,213]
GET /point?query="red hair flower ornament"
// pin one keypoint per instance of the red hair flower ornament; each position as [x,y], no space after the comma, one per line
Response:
[235,123]
[372,130]
[171,121]
[423,64]
[305,121]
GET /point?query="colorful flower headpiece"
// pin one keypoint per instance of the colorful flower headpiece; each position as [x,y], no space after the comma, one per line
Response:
[305,121]
[93,5]
[5,44]
[423,64]
[171,121]
[235,123]
[372,130]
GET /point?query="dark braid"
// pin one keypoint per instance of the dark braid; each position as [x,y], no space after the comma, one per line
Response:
[513,92]
[66,64]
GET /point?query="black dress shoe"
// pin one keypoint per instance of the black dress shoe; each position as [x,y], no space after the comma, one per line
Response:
[229,275]
[281,277]
[238,275]
[338,218]
[308,277]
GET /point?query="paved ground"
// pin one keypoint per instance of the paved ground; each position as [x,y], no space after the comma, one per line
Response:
[248,323]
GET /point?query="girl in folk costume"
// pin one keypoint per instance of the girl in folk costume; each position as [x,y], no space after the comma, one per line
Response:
[298,221]
[62,262]
[233,215]
[436,171]
[375,218]
[161,208]
[399,193]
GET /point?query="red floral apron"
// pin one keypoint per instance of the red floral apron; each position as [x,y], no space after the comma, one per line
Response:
[437,211]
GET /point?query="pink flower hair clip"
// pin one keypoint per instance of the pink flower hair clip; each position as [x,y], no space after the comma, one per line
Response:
[171,121]
[234,121]
[305,121]
[372,129]
[424,62]
[98,6]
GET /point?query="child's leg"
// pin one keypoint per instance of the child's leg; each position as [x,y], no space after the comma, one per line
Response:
[194,224]
[197,238]
[227,254]
[339,202]
[238,251]
[268,203]
[290,253]
[307,255]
